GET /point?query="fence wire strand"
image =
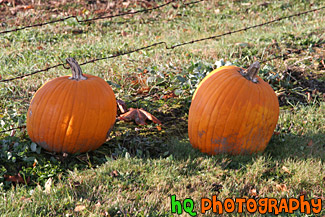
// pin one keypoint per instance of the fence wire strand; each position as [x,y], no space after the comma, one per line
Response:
[117,54]
[16,128]
[100,17]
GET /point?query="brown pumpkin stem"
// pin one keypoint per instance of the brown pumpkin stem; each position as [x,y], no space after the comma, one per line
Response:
[251,72]
[76,70]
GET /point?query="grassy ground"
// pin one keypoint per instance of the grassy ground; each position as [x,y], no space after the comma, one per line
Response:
[136,171]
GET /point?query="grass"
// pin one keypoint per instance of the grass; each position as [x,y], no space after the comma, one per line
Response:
[136,171]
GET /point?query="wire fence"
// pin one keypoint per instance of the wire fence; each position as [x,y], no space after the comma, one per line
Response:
[117,54]
[101,17]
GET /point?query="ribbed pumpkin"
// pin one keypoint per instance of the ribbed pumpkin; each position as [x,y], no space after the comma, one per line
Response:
[72,114]
[233,111]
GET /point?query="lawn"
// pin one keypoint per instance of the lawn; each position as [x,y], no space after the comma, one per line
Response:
[136,171]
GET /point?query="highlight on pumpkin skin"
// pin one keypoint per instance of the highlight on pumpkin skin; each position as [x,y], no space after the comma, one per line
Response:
[233,111]
[72,115]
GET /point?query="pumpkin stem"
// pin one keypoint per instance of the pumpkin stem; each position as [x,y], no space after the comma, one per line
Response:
[251,72]
[76,70]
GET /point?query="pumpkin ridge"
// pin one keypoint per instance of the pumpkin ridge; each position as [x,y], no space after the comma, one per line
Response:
[57,132]
[85,94]
[53,118]
[263,116]
[43,106]
[253,120]
[70,114]
[207,108]
[274,103]
[96,91]
[244,118]
[31,114]
[111,103]
[221,98]
[232,108]
[224,77]
[193,126]
[90,130]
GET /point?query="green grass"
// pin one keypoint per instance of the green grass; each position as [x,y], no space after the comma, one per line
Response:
[136,171]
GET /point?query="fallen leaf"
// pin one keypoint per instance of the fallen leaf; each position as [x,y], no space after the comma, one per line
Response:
[28,7]
[98,204]
[121,106]
[169,95]
[115,173]
[143,90]
[20,8]
[17,179]
[281,187]
[123,33]
[12,133]
[26,199]
[310,143]
[252,192]
[285,169]
[139,116]
[79,208]
[48,185]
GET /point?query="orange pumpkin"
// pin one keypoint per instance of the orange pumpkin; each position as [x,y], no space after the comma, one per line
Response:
[232,111]
[72,114]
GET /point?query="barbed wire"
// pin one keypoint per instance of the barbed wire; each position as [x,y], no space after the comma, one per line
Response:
[32,73]
[101,17]
[118,53]
[16,128]
[247,28]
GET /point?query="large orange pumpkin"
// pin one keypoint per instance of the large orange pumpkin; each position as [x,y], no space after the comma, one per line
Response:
[233,111]
[72,114]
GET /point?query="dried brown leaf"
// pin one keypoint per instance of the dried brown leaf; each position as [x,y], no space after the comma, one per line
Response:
[310,143]
[150,116]
[17,179]
[253,192]
[123,33]
[169,95]
[121,106]
[115,173]
[143,90]
[139,116]
[79,208]
[281,187]
[285,169]
[47,186]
